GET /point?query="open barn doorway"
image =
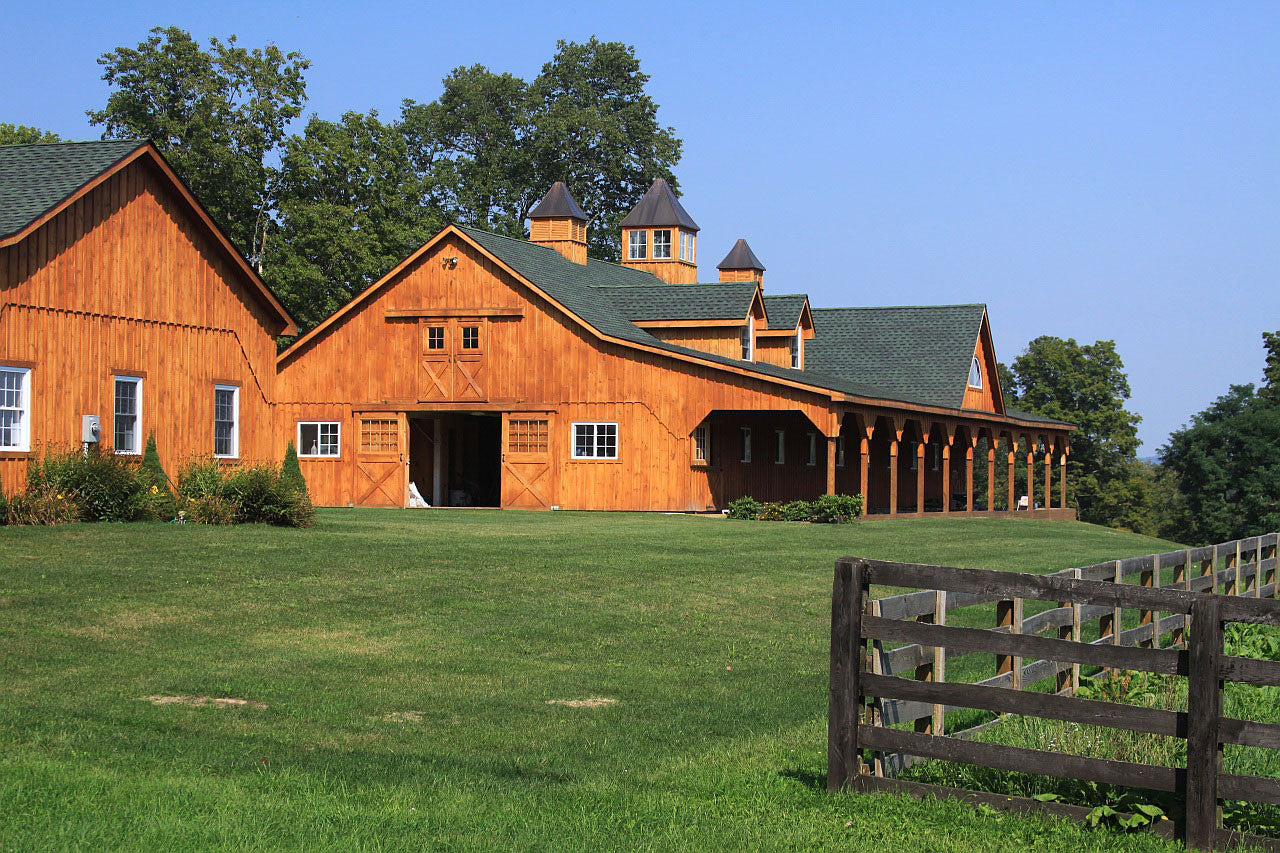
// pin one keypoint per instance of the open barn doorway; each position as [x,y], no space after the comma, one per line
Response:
[455,458]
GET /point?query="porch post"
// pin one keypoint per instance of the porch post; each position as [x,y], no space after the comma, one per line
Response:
[864,451]
[1062,477]
[1013,452]
[920,477]
[968,478]
[991,475]
[1031,474]
[893,476]
[831,465]
[946,474]
[1048,478]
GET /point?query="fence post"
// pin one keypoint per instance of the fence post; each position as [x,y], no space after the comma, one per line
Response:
[1233,585]
[1257,567]
[939,662]
[1009,615]
[1069,680]
[875,711]
[1213,570]
[1204,712]
[1150,578]
[1275,566]
[1182,576]
[1109,623]
[844,697]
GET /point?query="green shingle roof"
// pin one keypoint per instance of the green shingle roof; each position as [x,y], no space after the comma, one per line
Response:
[784,311]
[729,301]
[36,178]
[916,353]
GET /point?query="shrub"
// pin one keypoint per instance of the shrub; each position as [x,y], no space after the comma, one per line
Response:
[42,505]
[156,501]
[837,509]
[291,471]
[745,507]
[201,478]
[4,507]
[797,511]
[208,509]
[771,511]
[210,494]
[103,484]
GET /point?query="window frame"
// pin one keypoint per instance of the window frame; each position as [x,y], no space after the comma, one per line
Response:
[463,349]
[748,340]
[702,444]
[235,421]
[24,407]
[840,451]
[443,336]
[745,456]
[665,244]
[812,459]
[780,447]
[595,441]
[302,454]
[136,382]
[797,350]
[637,249]
[975,370]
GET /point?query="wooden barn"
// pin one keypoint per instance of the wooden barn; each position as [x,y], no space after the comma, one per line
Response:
[122,299]
[490,371]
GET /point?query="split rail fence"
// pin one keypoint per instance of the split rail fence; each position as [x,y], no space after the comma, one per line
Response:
[1230,582]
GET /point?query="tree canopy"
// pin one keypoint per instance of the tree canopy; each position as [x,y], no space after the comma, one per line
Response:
[20,134]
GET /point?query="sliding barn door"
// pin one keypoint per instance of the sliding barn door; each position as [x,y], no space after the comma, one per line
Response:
[381,460]
[527,473]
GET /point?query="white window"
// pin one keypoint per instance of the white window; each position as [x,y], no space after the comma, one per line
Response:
[840,452]
[636,245]
[595,441]
[975,374]
[813,449]
[662,244]
[746,444]
[748,341]
[702,444]
[797,351]
[684,245]
[226,421]
[128,414]
[15,408]
[780,451]
[319,440]
[691,247]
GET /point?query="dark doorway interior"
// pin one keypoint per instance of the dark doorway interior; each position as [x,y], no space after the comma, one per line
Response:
[469,456]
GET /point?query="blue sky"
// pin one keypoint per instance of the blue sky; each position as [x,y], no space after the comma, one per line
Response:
[1097,171]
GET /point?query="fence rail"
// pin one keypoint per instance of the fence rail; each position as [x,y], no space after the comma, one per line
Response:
[1210,586]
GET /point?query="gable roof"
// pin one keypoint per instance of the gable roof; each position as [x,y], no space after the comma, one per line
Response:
[729,301]
[658,206]
[740,257]
[557,202]
[921,352]
[35,178]
[40,180]
[784,311]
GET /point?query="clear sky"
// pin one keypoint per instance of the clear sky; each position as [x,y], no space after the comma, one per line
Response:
[1088,170]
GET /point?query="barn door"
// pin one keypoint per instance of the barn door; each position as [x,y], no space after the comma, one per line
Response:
[453,362]
[381,463]
[527,473]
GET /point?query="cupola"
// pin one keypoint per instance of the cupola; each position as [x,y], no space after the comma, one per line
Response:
[558,223]
[659,236]
[741,264]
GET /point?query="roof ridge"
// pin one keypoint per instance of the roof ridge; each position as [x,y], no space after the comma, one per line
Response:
[665,286]
[64,142]
[524,242]
[900,307]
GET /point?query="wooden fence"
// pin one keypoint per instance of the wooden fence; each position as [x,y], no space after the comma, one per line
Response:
[868,696]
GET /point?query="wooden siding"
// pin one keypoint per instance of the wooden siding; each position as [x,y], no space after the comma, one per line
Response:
[127,279]
[984,399]
[566,235]
[775,350]
[672,270]
[742,275]
[717,340]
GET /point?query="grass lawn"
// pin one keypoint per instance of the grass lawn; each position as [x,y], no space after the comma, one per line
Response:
[406,661]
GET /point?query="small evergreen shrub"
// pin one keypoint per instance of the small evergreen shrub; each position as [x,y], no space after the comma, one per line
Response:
[837,509]
[797,511]
[291,471]
[156,502]
[771,511]
[745,507]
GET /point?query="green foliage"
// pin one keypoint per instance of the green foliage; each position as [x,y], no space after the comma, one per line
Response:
[771,511]
[19,134]
[837,509]
[208,493]
[103,484]
[797,511]
[217,115]
[291,472]
[745,507]
[156,501]
[42,504]
[4,507]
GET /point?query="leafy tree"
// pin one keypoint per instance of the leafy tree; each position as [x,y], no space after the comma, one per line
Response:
[351,206]
[19,134]
[216,115]
[291,472]
[1084,385]
[1226,463]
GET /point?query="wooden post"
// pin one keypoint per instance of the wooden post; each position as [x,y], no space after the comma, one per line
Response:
[946,475]
[1233,585]
[1149,579]
[875,711]
[1069,680]
[893,476]
[1062,480]
[1009,615]
[935,669]
[1048,478]
[1257,567]
[1204,711]
[1213,570]
[1031,475]
[1013,458]
[920,477]
[1109,624]
[846,663]
[864,453]
[1182,578]
[831,465]
[991,476]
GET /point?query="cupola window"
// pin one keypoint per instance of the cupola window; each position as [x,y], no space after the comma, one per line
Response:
[637,245]
[661,244]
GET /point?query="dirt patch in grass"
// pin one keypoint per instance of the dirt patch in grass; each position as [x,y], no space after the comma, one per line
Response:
[204,701]
[404,717]
[130,621]
[594,702]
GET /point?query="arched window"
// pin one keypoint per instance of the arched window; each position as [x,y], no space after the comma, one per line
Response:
[975,375]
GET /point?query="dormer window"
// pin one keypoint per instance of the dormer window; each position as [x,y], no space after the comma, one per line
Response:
[637,245]
[797,350]
[748,341]
[661,244]
[975,375]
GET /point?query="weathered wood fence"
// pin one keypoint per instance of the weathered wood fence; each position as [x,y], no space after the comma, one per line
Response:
[869,696]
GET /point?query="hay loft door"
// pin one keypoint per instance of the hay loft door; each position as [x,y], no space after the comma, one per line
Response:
[381,463]
[528,477]
[453,359]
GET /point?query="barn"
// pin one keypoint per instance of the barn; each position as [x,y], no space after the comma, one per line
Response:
[490,371]
[122,299]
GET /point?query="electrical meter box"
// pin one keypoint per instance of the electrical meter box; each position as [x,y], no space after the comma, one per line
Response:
[91,428]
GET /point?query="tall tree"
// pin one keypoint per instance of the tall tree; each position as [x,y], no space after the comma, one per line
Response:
[217,115]
[20,134]
[1084,385]
[351,206]
[1226,462]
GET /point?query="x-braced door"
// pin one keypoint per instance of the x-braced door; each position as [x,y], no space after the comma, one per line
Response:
[453,359]
[381,460]
[528,477]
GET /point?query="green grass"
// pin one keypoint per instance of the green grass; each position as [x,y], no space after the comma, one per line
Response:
[711,635]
